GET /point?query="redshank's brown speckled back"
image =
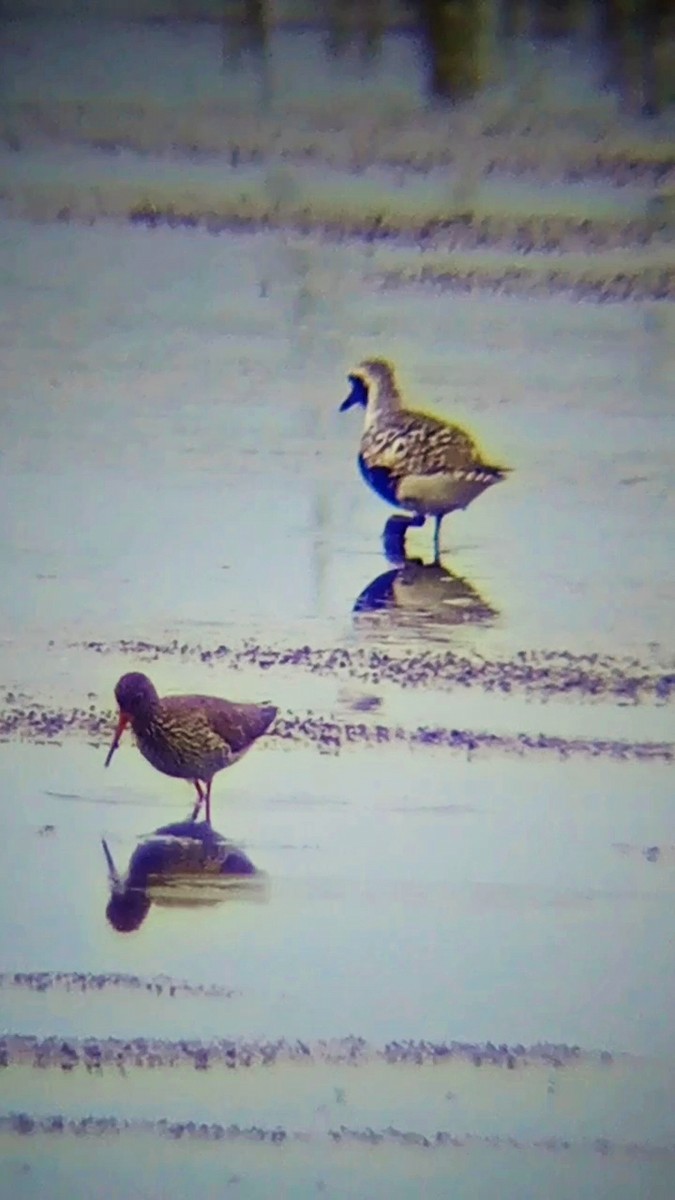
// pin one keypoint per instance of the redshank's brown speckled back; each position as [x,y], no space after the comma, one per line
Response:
[187,737]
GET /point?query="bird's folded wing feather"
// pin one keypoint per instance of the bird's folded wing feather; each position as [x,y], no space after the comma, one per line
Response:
[235,725]
[418,444]
[208,720]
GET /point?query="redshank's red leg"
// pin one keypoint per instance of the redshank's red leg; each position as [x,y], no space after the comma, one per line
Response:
[201,795]
[207,798]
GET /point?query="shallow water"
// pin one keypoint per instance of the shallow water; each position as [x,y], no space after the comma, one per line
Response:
[292,1172]
[447,887]
[162,417]
[174,467]
[403,894]
[103,333]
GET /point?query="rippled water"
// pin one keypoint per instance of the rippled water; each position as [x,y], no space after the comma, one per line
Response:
[173,466]
[150,365]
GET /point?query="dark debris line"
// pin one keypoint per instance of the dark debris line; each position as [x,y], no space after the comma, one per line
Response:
[598,281]
[26,1125]
[43,726]
[331,736]
[550,234]
[533,673]
[231,1053]
[86,981]
[543,675]
[635,282]
[511,144]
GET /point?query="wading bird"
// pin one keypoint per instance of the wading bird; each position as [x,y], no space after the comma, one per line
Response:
[414,461]
[187,737]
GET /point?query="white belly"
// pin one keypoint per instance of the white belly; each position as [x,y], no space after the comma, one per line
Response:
[438,494]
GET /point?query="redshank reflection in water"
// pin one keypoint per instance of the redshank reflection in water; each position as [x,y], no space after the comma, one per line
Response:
[183,865]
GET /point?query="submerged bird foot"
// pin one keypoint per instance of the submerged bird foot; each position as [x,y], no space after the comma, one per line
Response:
[437,542]
[405,521]
[394,534]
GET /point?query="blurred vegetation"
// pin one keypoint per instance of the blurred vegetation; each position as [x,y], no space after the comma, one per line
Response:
[353,23]
[639,41]
[462,37]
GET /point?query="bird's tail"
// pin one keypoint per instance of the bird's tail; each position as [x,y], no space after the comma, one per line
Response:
[268,714]
[495,474]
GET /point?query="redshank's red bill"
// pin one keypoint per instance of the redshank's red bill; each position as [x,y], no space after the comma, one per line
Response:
[122,723]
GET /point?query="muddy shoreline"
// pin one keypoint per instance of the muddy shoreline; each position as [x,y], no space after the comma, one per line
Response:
[540,674]
[536,676]
[597,260]
[25,1125]
[18,1049]
[82,981]
[541,146]
[39,725]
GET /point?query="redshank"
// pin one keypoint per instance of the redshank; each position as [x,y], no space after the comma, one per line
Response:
[187,737]
[414,461]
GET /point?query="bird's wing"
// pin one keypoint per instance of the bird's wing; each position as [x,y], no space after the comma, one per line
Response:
[417,444]
[237,725]
[441,491]
[243,724]
[193,716]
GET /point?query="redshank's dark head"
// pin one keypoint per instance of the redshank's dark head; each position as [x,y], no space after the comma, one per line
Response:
[127,907]
[135,694]
[136,697]
[126,911]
